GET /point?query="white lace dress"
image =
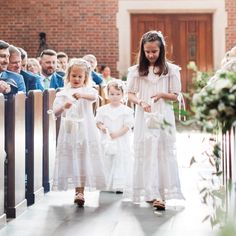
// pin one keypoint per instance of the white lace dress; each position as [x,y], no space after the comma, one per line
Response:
[78,156]
[155,169]
[118,164]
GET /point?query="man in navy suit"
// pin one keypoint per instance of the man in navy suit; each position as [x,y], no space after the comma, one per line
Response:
[48,62]
[4,62]
[32,81]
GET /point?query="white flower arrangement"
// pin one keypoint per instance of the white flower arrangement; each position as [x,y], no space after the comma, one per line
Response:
[216,102]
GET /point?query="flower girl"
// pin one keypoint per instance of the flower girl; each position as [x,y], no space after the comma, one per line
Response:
[78,160]
[115,121]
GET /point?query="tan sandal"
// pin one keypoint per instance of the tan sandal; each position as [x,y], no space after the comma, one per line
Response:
[79,199]
[159,205]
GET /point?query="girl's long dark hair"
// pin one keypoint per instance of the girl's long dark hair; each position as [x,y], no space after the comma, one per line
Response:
[143,63]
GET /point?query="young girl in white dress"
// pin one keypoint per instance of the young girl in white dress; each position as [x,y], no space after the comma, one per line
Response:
[78,157]
[115,121]
[153,84]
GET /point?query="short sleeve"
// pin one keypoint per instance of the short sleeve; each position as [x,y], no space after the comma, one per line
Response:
[133,79]
[94,92]
[175,81]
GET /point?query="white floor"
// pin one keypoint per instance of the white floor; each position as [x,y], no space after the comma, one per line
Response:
[106,215]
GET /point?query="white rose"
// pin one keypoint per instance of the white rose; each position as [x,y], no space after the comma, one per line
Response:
[231,97]
[192,65]
[196,98]
[221,84]
[209,126]
[230,65]
[221,107]
[213,112]
[199,76]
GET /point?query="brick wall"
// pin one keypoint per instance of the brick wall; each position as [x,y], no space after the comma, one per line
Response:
[230,6]
[77,27]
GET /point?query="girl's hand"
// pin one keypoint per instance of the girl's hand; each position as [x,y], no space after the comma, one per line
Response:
[146,107]
[156,97]
[77,96]
[67,105]
[102,127]
[114,135]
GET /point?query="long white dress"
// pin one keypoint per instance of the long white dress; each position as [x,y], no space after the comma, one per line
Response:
[78,156]
[119,164]
[155,168]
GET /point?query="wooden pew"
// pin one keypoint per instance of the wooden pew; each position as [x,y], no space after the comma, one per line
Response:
[15,149]
[49,139]
[34,146]
[2,161]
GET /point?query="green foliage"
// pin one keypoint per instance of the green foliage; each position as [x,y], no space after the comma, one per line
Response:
[199,78]
[215,104]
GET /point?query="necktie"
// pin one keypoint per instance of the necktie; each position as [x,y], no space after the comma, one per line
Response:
[46,83]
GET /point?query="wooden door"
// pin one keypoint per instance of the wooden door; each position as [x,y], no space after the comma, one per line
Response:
[188,38]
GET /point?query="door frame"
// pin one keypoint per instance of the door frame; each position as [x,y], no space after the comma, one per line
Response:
[126,7]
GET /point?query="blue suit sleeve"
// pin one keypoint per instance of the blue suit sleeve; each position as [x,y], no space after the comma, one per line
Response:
[39,84]
[96,78]
[21,84]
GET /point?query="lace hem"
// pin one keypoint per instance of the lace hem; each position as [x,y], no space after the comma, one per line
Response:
[93,183]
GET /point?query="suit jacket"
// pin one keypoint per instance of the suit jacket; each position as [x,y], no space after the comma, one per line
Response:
[13,85]
[32,81]
[96,78]
[16,77]
[56,81]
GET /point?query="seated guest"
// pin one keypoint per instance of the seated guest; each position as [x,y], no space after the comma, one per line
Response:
[62,61]
[97,79]
[32,81]
[15,60]
[4,62]
[106,73]
[48,62]
[33,66]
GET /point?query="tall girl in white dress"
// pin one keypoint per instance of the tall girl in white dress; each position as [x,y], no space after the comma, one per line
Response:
[115,121]
[153,84]
[78,157]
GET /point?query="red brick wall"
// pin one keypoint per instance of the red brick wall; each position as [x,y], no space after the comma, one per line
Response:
[77,27]
[230,6]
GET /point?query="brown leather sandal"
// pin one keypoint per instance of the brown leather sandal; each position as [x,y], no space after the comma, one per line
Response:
[79,199]
[151,201]
[159,205]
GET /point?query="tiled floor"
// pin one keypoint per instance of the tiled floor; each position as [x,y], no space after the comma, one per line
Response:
[107,215]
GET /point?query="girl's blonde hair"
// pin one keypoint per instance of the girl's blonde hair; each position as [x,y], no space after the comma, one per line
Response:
[117,84]
[82,64]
